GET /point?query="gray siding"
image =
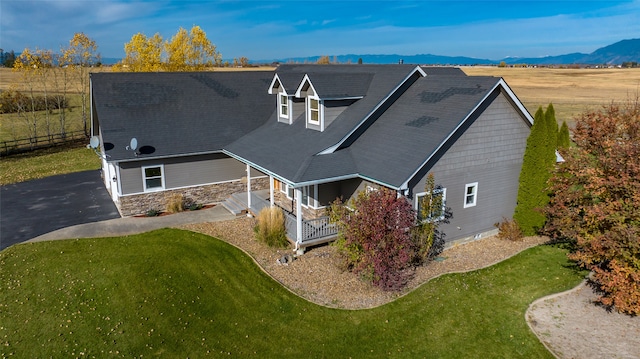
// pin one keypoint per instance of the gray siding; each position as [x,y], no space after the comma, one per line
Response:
[490,152]
[328,192]
[333,109]
[185,171]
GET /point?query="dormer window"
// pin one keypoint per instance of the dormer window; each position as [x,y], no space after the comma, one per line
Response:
[313,111]
[283,105]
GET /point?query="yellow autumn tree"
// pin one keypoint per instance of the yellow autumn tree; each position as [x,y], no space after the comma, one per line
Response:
[28,65]
[323,60]
[143,54]
[191,51]
[80,56]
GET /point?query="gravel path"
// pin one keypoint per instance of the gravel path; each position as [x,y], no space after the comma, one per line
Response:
[572,326]
[568,324]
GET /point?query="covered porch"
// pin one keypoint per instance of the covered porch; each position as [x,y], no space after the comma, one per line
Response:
[301,232]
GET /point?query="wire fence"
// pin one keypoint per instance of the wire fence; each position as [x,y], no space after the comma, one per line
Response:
[33,143]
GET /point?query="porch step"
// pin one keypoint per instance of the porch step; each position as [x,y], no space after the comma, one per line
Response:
[235,205]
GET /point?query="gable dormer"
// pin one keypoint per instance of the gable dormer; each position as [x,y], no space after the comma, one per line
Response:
[327,95]
[284,100]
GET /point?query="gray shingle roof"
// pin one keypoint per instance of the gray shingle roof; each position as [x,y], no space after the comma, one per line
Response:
[288,150]
[426,114]
[399,142]
[188,113]
[335,86]
[179,113]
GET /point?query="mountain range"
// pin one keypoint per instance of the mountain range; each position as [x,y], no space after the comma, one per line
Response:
[614,54]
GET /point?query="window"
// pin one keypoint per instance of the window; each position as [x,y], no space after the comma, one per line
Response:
[470,194]
[153,179]
[313,111]
[439,198]
[290,191]
[283,105]
[307,198]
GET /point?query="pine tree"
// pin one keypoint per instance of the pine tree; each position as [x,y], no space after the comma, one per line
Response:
[535,173]
[563,136]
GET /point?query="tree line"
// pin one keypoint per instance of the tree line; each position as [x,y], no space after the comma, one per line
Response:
[589,197]
[47,79]
[185,51]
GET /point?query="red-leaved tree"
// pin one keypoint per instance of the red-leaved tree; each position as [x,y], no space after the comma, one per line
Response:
[596,202]
[375,237]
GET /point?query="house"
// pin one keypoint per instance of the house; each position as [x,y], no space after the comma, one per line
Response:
[303,135]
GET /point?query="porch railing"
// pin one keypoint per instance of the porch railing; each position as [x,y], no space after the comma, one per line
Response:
[311,228]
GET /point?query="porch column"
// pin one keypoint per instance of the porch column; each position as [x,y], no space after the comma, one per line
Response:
[271,185]
[248,187]
[298,215]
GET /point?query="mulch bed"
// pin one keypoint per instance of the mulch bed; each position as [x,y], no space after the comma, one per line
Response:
[317,275]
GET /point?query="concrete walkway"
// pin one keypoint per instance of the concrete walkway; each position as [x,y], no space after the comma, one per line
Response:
[134,225]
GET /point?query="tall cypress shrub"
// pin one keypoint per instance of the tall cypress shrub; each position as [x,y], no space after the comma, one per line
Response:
[536,171]
[564,141]
[552,136]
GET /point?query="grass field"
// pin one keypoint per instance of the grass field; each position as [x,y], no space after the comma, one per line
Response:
[47,162]
[175,293]
[572,91]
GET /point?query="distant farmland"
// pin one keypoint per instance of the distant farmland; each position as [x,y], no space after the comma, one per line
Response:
[572,91]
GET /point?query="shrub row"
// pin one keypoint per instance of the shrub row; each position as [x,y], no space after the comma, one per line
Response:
[16,101]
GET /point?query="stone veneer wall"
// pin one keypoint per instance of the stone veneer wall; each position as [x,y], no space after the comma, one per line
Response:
[214,193]
[290,205]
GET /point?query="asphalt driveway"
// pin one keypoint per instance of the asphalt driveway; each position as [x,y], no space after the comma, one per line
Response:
[33,208]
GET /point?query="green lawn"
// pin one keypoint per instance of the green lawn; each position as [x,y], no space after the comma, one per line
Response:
[176,293]
[47,162]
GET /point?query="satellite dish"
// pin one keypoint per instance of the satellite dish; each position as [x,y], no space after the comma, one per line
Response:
[134,144]
[94,142]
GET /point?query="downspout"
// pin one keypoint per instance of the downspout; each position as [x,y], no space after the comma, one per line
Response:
[248,191]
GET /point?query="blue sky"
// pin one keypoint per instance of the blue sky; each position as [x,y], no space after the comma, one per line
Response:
[264,30]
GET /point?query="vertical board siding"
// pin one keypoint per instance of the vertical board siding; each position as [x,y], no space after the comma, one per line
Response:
[332,109]
[490,152]
[185,171]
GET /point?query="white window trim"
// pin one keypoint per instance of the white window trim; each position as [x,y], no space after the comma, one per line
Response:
[311,189]
[286,191]
[422,194]
[144,179]
[473,185]
[309,121]
[286,116]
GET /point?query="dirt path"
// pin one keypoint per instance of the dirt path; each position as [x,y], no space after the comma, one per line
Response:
[571,326]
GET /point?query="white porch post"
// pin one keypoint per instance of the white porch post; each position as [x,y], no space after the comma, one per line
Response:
[248,186]
[298,216]
[271,185]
